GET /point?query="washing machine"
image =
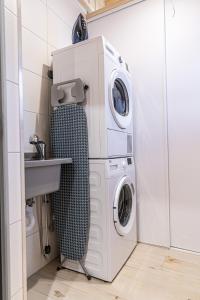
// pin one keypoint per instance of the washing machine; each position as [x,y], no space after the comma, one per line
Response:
[108,98]
[113,234]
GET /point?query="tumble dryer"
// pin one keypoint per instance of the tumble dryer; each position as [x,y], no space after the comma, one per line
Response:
[108,103]
[113,234]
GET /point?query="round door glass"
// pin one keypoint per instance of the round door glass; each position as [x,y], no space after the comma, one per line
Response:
[120,97]
[125,205]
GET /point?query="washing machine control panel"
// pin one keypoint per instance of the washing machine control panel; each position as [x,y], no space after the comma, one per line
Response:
[121,163]
[123,63]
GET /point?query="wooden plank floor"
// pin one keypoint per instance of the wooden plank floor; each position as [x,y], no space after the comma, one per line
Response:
[151,273]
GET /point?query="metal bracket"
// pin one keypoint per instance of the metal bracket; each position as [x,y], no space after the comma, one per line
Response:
[81,262]
[68,92]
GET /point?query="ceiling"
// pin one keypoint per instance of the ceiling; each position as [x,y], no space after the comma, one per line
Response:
[96,7]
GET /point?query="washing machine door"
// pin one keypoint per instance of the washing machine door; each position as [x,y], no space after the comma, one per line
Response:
[120,98]
[124,209]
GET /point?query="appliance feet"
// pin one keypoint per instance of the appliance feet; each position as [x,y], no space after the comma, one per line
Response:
[85,270]
[60,267]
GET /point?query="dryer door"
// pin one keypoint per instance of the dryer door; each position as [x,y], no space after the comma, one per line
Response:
[124,209]
[120,98]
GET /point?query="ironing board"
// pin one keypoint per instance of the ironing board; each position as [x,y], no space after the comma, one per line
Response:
[71,205]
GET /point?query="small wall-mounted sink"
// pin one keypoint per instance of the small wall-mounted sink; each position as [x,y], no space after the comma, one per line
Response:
[43,176]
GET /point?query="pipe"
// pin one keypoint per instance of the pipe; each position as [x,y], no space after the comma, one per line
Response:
[30,218]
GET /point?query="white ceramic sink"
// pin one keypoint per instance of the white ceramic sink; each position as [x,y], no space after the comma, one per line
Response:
[43,176]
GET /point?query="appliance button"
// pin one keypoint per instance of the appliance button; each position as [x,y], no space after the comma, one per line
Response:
[120,60]
[129,161]
[127,68]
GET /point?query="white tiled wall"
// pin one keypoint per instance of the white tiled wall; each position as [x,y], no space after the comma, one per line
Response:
[11,5]
[11,46]
[18,295]
[34,52]
[16,257]
[38,91]
[56,25]
[31,9]
[52,30]
[13,150]
[13,117]
[46,26]
[14,193]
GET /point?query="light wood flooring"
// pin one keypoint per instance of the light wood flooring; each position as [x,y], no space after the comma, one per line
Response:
[151,273]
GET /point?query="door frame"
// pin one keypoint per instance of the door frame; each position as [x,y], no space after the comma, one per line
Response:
[4,204]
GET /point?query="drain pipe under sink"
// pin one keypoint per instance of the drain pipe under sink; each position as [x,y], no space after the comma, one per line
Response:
[30,219]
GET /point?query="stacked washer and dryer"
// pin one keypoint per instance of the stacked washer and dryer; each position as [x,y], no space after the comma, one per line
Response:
[109,110]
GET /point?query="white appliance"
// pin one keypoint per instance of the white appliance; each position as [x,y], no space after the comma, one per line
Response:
[108,102]
[113,234]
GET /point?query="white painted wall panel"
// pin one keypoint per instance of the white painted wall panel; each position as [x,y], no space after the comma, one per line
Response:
[183,73]
[138,33]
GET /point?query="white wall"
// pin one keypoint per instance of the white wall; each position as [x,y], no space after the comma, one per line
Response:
[183,73]
[12,162]
[138,33]
[46,26]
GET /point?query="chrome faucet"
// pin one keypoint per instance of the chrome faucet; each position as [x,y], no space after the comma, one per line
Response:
[40,147]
